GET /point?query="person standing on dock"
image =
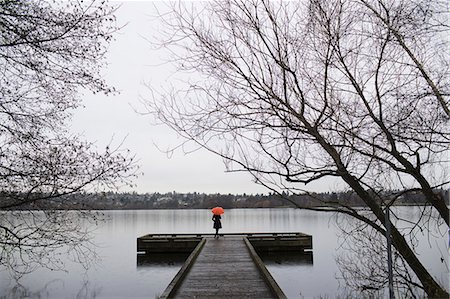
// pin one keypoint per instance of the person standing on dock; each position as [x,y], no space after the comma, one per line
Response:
[217,224]
[217,211]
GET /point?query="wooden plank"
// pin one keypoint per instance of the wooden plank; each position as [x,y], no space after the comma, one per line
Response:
[262,268]
[224,269]
[297,242]
[177,280]
[160,243]
[166,244]
[224,234]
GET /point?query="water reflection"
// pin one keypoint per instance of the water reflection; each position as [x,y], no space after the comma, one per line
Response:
[289,259]
[122,274]
[19,291]
[160,259]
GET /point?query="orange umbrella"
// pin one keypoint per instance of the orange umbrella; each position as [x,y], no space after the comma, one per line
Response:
[217,210]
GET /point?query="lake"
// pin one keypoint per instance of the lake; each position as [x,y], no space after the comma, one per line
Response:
[119,274]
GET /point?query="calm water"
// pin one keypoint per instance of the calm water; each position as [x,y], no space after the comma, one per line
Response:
[119,274]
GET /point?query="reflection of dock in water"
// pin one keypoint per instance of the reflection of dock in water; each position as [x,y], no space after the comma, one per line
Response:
[161,259]
[224,267]
[287,258]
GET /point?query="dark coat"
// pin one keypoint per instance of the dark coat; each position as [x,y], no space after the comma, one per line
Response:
[217,223]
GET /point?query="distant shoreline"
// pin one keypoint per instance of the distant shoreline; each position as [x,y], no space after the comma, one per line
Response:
[173,200]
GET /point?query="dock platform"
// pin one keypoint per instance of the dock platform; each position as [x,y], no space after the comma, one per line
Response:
[227,267]
[181,243]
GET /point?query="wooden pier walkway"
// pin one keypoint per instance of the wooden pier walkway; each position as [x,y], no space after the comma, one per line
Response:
[228,267]
[223,269]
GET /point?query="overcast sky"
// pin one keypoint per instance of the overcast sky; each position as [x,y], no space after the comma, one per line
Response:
[132,62]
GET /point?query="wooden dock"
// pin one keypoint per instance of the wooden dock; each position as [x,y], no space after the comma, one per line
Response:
[228,267]
[180,243]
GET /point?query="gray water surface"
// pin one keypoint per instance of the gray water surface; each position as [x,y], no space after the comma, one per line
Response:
[119,273]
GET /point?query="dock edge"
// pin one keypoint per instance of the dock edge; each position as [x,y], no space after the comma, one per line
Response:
[173,286]
[273,285]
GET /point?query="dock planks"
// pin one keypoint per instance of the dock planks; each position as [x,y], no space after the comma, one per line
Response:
[228,267]
[176,243]
[224,269]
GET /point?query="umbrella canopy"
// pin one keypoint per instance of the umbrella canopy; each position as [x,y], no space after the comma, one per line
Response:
[217,210]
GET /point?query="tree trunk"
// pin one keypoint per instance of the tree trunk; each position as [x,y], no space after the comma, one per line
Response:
[431,287]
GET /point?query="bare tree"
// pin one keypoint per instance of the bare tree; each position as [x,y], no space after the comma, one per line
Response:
[362,259]
[296,92]
[49,50]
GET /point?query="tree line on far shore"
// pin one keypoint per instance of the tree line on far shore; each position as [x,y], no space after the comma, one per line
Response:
[195,200]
